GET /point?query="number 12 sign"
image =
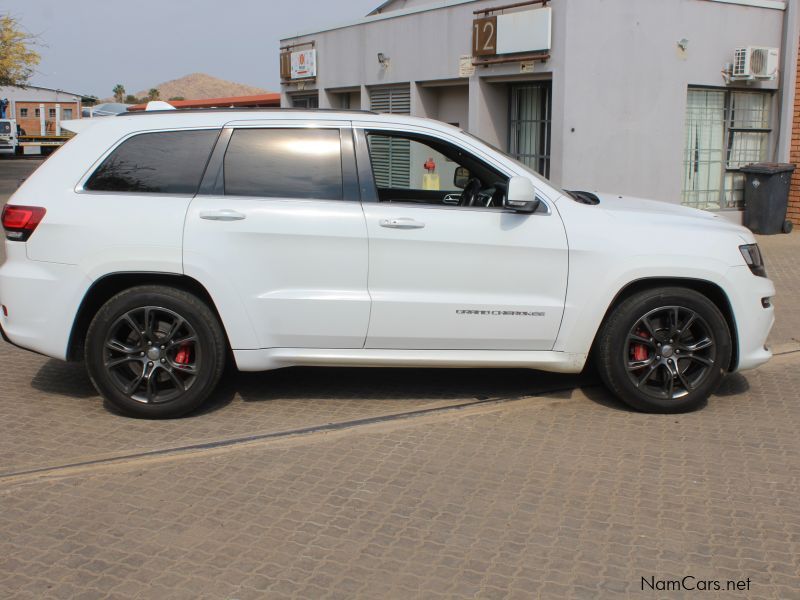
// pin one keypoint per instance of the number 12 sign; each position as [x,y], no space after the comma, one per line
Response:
[484,36]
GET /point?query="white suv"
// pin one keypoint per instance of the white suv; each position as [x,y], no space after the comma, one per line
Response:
[159,245]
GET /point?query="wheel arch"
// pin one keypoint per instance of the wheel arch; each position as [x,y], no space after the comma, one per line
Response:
[106,287]
[709,289]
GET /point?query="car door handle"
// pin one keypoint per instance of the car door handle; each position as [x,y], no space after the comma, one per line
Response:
[226,214]
[401,223]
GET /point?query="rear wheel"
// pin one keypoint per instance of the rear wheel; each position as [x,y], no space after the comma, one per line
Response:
[664,350]
[155,351]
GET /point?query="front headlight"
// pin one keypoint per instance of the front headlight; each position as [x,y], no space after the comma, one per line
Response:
[752,256]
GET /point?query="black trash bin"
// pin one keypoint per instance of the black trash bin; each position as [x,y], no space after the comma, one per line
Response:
[766,193]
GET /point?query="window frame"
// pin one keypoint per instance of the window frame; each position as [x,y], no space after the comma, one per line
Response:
[729,132]
[213,181]
[80,186]
[369,189]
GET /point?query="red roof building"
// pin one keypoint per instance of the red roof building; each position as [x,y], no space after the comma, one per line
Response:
[257,101]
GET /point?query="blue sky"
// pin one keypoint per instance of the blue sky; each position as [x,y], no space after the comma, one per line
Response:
[88,47]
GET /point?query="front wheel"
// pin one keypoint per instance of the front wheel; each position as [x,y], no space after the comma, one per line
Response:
[155,351]
[664,350]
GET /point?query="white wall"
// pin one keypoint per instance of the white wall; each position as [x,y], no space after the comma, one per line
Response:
[625,82]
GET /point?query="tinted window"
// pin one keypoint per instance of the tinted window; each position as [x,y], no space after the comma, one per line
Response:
[170,162]
[284,163]
[5,127]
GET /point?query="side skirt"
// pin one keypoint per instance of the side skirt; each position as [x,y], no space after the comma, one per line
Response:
[276,358]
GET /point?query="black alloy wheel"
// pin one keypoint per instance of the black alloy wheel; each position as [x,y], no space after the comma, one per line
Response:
[670,352]
[664,349]
[152,354]
[155,351]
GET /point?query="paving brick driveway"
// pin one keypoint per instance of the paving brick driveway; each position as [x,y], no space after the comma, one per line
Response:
[537,485]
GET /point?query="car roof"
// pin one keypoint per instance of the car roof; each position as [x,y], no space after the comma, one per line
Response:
[219,117]
[205,118]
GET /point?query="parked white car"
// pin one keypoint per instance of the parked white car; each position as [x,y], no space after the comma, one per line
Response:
[157,246]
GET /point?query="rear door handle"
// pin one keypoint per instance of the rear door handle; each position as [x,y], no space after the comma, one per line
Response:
[225,214]
[401,223]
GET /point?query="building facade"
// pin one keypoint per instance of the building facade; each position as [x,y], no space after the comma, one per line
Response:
[636,97]
[39,111]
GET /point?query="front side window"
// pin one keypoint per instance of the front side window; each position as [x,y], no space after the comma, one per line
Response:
[5,127]
[168,162]
[284,163]
[725,130]
[423,170]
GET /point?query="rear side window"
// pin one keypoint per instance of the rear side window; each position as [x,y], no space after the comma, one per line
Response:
[284,163]
[168,162]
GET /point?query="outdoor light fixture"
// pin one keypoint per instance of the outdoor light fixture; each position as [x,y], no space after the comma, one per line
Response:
[683,44]
[383,60]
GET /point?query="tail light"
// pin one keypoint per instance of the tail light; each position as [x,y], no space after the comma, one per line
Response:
[21,221]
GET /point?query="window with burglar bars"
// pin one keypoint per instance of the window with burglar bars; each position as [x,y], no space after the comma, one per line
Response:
[391,157]
[529,129]
[725,130]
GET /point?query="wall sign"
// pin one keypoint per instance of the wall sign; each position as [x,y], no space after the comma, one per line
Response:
[510,33]
[303,64]
[484,36]
[465,66]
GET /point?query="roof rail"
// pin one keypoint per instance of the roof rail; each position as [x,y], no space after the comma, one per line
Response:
[245,109]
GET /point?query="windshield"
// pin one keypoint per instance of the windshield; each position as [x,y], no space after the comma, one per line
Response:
[5,127]
[539,177]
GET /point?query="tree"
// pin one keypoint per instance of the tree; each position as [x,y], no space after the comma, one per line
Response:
[131,99]
[119,92]
[17,60]
[153,94]
[177,98]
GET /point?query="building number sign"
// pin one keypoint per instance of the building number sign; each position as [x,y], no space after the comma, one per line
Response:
[484,36]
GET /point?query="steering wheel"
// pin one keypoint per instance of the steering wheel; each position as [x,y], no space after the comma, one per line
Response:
[470,192]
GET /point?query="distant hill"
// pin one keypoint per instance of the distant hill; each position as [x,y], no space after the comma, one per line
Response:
[199,85]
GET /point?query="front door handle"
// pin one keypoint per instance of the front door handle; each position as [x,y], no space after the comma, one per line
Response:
[401,223]
[225,214]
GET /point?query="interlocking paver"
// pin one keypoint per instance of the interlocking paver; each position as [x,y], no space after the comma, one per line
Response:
[565,496]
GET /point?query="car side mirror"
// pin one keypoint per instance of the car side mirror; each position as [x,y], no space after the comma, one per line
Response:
[461,177]
[521,196]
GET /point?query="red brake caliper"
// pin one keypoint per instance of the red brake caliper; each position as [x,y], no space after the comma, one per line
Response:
[184,355]
[640,350]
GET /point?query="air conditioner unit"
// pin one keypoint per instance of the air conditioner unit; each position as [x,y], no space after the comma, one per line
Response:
[755,62]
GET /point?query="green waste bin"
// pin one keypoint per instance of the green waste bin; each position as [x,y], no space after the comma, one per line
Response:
[766,194]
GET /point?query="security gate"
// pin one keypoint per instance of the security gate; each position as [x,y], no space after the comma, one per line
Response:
[529,127]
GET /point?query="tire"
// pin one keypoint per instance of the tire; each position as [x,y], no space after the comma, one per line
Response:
[788,226]
[664,350]
[155,352]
